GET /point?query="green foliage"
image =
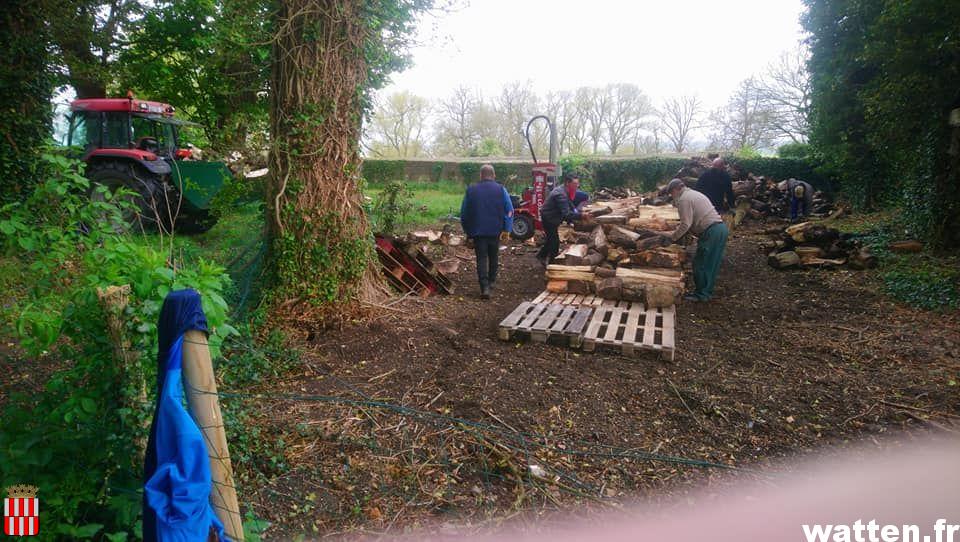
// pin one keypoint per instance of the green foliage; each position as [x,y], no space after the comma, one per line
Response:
[77,440]
[642,173]
[794,150]
[747,152]
[25,87]
[884,78]
[392,206]
[922,282]
[487,147]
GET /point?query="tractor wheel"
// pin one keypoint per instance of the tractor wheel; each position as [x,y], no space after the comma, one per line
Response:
[149,202]
[522,227]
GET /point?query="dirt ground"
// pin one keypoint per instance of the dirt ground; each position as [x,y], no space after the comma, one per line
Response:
[777,365]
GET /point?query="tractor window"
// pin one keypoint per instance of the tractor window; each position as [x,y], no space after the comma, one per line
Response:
[84,130]
[117,134]
[153,136]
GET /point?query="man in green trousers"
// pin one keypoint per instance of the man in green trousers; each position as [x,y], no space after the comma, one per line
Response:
[698,216]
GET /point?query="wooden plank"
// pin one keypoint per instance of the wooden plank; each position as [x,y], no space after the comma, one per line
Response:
[613,326]
[669,323]
[541,297]
[546,318]
[649,327]
[560,322]
[532,316]
[577,300]
[579,322]
[593,329]
[630,330]
[608,303]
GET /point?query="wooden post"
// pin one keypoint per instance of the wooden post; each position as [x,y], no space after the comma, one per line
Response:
[201,391]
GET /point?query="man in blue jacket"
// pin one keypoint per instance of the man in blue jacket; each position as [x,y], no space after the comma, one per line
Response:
[486,215]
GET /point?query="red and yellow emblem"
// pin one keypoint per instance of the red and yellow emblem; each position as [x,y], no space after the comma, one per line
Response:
[21,511]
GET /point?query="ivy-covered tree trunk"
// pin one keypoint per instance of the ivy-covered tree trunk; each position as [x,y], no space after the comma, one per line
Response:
[25,87]
[320,247]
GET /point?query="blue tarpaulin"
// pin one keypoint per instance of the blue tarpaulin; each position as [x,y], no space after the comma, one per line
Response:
[177,485]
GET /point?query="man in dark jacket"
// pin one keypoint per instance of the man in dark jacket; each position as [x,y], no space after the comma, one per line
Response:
[557,209]
[486,215]
[715,183]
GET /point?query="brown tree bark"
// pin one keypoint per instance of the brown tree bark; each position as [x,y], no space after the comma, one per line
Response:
[320,245]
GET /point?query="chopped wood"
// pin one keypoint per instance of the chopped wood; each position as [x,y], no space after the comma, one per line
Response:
[570,272]
[605,272]
[811,232]
[783,260]
[808,252]
[567,234]
[655,224]
[652,242]
[635,276]
[657,296]
[823,262]
[578,251]
[598,240]
[609,288]
[657,258]
[611,219]
[622,237]
[580,286]
[557,286]
[904,247]
[596,211]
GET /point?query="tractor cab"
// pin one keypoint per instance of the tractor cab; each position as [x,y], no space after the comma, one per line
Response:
[135,144]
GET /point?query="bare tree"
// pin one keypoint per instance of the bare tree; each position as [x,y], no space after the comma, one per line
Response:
[396,127]
[627,107]
[595,104]
[514,107]
[458,126]
[678,118]
[785,92]
[744,121]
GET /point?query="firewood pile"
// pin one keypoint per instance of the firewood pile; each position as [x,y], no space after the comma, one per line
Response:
[620,253]
[614,192]
[757,197]
[813,244]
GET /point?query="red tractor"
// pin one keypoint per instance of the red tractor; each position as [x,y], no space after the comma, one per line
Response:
[135,144]
[526,208]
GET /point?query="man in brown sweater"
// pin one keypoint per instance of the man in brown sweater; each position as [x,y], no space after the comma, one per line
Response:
[698,216]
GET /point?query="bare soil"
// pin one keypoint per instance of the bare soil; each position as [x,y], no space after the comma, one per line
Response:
[778,364]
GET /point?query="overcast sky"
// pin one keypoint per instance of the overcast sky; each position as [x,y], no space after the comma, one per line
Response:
[667,47]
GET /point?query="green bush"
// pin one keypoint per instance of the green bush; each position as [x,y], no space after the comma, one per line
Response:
[78,439]
[383,171]
[794,150]
[786,168]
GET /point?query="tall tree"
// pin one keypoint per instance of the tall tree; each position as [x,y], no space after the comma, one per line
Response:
[744,121]
[596,107]
[628,106]
[678,118]
[88,36]
[25,87]
[327,57]
[458,132]
[396,127]
[784,89]
[514,106]
[209,59]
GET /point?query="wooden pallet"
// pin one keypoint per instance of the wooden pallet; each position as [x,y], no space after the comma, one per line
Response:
[569,299]
[629,327]
[544,320]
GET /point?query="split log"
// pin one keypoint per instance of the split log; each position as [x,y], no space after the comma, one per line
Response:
[811,232]
[622,237]
[905,247]
[596,211]
[656,296]
[577,251]
[579,286]
[557,286]
[655,224]
[570,272]
[648,276]
[808,252]
[742,210]
[567,234]
[611,219]
[783,260]
[632,292]
[653,242]
[598,240]
[657,258]
[823,262]
[605,272]
[609,288]
[592,259]
[614,254]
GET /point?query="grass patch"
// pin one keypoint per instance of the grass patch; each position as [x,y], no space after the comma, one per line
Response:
[430,202]
[924,280]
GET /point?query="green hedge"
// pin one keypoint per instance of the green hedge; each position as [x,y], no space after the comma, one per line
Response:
[640,173]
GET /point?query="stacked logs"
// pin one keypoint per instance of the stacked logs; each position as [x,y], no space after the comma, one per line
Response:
[620,253]
[812,244]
